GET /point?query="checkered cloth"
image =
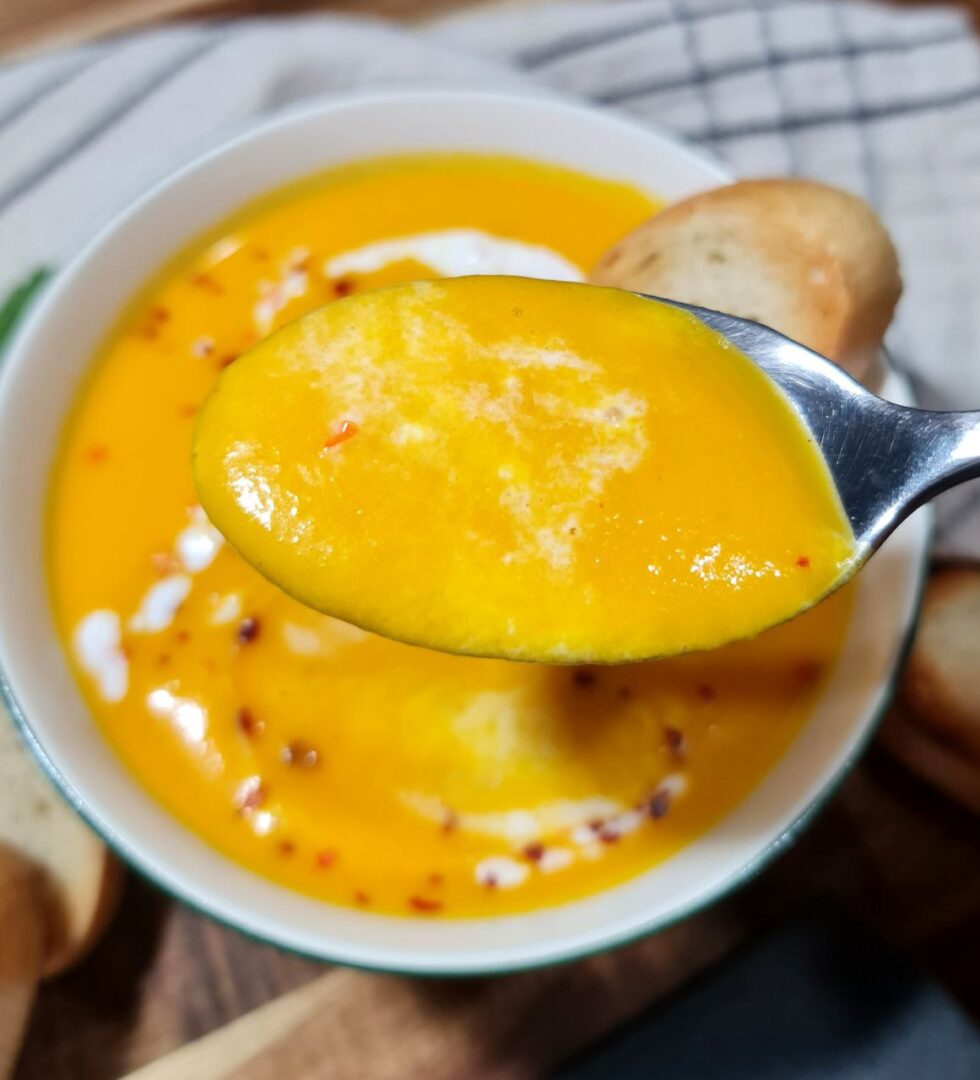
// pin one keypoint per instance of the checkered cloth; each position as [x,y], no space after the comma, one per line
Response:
[884,101]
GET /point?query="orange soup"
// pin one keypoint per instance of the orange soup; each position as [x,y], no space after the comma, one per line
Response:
[346,766]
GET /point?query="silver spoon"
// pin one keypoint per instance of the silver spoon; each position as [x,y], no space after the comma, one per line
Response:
[885,459]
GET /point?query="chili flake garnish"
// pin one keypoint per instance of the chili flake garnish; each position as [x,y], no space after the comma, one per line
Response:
[325,859]
[583,677]
[163,563]
[674,738]
[227,360]
[164,658]
[343,287]
[808,672]
[247,724]
[534,851]
[248,631]
[97,454]
[207,283]
[347,430]
[706,692]
[624,693]
[424,905]
[450,823]
[187,411]
[659,804]
[362,898]
[286,848]
[183,636]
[803,562]
[301,754]
[435,879]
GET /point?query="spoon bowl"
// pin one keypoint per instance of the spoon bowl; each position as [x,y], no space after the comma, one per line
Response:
[886,460]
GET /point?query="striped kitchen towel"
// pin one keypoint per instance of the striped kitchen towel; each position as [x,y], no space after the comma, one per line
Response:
[882,100]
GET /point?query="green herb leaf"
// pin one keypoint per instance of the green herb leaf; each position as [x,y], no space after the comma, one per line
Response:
[17,303]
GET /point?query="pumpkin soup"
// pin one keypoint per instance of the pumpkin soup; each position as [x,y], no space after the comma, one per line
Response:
[344,765]
[526,469]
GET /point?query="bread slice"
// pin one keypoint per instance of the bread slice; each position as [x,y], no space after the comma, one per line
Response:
[808,260]
[78,878]
[911,742]
[941,684]
[21,951]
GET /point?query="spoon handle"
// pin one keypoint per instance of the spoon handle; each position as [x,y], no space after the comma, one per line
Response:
[908,457]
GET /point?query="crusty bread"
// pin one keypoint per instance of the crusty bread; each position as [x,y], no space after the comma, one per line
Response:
[911,742]
[78,878]
[809,260]
[941,683]
[21,951]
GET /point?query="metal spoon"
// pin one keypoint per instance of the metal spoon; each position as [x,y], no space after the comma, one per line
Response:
[885,459]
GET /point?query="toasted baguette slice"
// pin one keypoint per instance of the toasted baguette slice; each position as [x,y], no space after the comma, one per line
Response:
[911,742]
[21,951]
[78,878]
[941,684]
[809,260]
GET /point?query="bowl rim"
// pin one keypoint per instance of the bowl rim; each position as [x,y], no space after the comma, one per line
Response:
[182,888]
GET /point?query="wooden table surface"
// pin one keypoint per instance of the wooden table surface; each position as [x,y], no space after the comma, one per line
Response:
[893,853]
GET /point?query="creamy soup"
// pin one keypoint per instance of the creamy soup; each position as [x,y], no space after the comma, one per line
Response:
[525,469]
[341,764]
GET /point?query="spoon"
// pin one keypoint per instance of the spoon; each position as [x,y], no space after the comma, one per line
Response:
[557,472]
[886,460]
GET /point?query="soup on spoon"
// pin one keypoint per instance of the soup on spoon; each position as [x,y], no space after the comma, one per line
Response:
[523,469]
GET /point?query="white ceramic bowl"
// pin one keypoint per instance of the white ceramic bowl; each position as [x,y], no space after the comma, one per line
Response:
[41,376]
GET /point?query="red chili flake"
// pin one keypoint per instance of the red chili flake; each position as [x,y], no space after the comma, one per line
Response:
[808,672]
[362,898]
[183,636]
[659,804]
[424,904]
[325,859]
[301,754]
[674,738]
[435,879]
[347,430]
[127,650]
[248,631]
[490,881]
[583,677]
[450,823]
[163,562]
[261,253]
[707,692]
[286,848]
[159,314]
[534,851]
[247,724]
[207,283]
[803,562]
[227,360]
[164,658]
[609,835]
[187,412]
[343,287]
[624,693]
[250,794]
[97,454]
